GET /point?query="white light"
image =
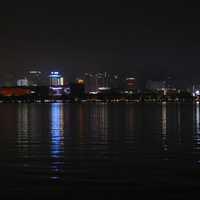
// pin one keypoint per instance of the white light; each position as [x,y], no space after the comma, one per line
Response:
[197,92]
[55,73]
[56,88]
[34,72]
[93,92]
[104,88]
[130,78]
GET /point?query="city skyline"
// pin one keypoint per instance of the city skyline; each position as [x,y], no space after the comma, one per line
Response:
[101,79]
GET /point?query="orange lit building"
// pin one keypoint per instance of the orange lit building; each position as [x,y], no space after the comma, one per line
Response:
[80,81]
[14,91]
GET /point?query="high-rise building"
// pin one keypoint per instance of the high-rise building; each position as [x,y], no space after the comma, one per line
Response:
[97,82]
[34,78]
[90,82]
[131,84]
[56,82]
[103,80]
[55,79]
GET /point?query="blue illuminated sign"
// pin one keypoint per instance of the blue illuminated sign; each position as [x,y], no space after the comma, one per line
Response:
[55,74]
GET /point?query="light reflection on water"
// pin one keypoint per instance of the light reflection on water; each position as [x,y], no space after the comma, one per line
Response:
[78,142]
[23,136]
[106,125]
[99,124]
[57,136]
[57,129]
[196,137]
[164,127]
[102,124]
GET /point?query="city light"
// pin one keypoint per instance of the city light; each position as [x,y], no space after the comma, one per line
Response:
[54,73]
[102,86]
[56,79]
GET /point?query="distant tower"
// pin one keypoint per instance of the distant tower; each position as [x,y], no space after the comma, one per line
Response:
[34,78]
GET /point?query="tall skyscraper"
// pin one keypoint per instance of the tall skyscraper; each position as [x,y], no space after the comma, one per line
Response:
[90,82]
[131,84]
[103,80]
[96,82]
[34,78]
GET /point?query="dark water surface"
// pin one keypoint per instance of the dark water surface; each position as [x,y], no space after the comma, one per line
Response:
[52,150]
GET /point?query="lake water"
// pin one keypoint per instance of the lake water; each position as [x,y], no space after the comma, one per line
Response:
[50,150]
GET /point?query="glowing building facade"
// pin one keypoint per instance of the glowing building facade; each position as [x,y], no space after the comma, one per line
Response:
[55,79]
[131,84]
[56,82]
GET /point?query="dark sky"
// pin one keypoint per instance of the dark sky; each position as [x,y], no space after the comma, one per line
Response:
[150,40]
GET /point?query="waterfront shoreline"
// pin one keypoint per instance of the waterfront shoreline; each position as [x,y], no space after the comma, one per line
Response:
[96,101]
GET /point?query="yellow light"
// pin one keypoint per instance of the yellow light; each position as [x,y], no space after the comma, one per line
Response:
[61,81]
[80,81]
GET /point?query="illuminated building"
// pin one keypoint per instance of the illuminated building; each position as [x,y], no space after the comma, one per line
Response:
[131,84]
[167,86]
[94,82]
[56,82]
[22,82]
[80,81]
[55,79]
[103,80]
[90,82]
[34,78]
[196,90]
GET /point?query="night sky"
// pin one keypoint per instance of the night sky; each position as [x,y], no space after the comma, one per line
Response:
[148,40]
